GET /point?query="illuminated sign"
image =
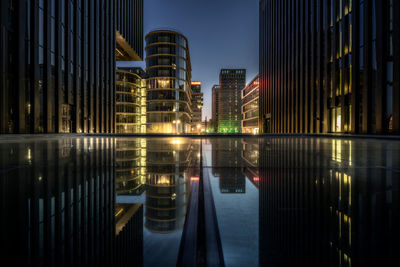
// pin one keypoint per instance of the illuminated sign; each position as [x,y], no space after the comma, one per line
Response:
[196,83]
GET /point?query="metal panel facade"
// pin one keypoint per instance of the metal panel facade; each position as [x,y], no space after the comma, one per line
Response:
[329,66]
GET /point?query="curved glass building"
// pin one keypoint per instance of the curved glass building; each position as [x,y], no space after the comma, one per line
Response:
[130,101]
[169,91]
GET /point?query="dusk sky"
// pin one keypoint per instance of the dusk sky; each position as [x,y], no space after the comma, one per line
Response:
[221,34]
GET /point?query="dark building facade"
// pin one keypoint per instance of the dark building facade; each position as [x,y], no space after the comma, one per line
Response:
[63,213]
[169,93]
[329,66]
[231,82]
[197,107]
[58,63]
[215,103]
[329,212]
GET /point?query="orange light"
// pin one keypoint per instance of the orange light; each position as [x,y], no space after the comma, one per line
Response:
[196,83]
[256,179]
[195,178]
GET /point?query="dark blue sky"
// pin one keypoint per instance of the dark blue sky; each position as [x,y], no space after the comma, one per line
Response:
[221,34]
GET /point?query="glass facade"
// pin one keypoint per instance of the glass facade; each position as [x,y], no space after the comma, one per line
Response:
[59,75]
[329,66]
[231,82]
[197,107]
[130,105]
[169,92]
[250,107]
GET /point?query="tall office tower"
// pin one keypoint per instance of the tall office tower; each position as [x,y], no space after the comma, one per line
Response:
[215,103]
[250,107]
[130,106]
[231,82]
[197,107]
[329,66]
[58,63]
[169,94]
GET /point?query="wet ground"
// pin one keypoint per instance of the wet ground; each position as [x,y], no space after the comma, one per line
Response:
[158,201]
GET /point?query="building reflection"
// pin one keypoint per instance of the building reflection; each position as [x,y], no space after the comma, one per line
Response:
[318,209]
[58,205]
[226,157]
[250,157]
[130,166]
[168,183]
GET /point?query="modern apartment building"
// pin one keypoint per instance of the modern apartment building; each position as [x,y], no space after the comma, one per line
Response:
[215,103]
[169,93]
[250,107]
[197,107]
[57,74]
[130,105]
[231,82]
[329,66]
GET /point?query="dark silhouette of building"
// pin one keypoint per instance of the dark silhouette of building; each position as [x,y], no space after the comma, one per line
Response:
[57,70]
[231,82]
[169,93]
[329,66]
[215,104]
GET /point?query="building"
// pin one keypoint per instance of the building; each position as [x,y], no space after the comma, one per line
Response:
[250,107]
[59,72]
[329,66]
[169,94]
[197,107]
[130,103]
[215,103]
[231,82]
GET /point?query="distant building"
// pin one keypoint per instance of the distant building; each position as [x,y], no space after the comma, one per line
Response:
[197,107]
[330,67]
[130,104]
[250,107]
[169,94]
[231,82]
[57,69]
[215,103]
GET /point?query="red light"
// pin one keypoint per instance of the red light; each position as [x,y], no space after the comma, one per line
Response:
[194,178]
[256,179]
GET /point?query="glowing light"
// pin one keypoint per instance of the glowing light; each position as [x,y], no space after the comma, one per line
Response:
[198,126]
[176,141]
[196,83]
[256,179]
[194,178]
[119,212]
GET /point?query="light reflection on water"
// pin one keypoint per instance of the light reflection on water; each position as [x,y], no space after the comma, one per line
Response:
[278,201]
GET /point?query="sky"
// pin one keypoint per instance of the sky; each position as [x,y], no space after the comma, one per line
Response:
[221,34]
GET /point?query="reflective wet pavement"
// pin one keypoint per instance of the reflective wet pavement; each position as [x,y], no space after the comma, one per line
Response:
[279,201]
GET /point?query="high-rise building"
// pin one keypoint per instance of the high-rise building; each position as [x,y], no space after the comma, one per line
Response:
[329,66]
[215,103]
[58,63]
[231,82]
[197,107]
[130,105]
[169,94]
[250,107]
